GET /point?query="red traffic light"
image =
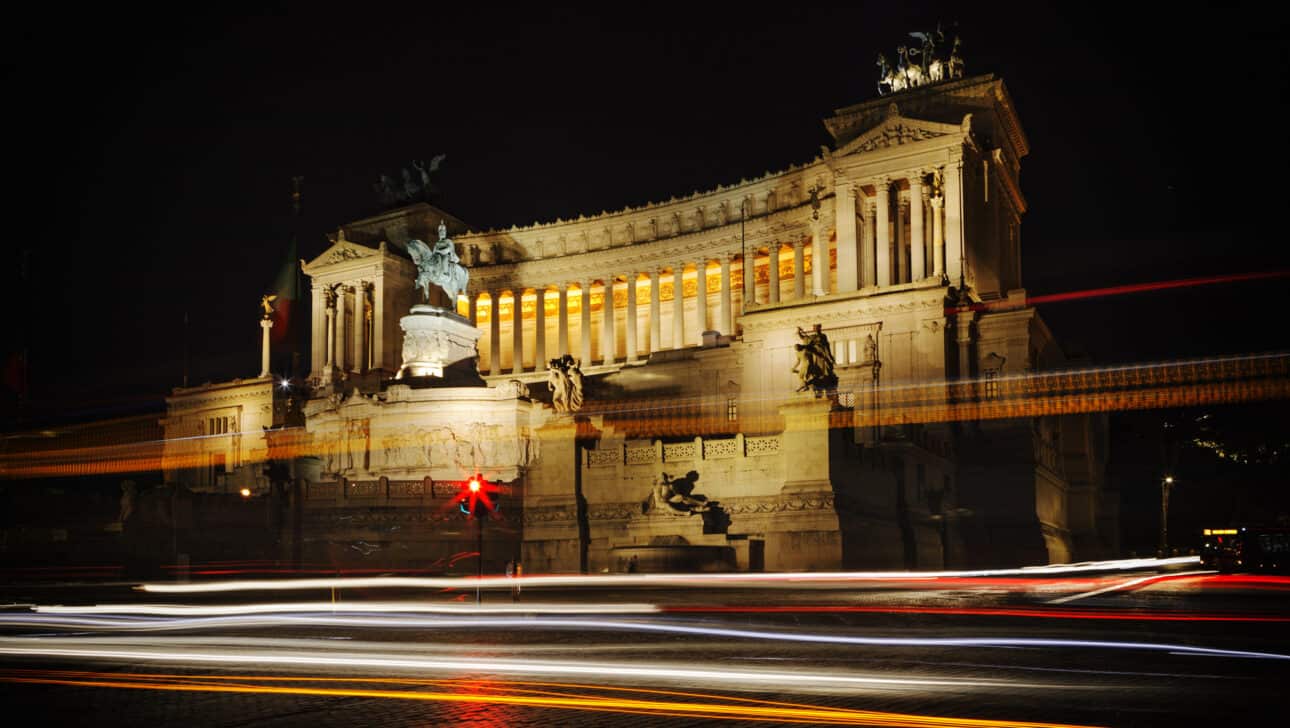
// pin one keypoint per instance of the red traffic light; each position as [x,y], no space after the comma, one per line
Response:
[473,499]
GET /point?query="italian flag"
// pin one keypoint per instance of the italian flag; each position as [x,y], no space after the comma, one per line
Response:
[286,289]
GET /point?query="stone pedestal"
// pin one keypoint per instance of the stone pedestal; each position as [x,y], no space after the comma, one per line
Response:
[435,338]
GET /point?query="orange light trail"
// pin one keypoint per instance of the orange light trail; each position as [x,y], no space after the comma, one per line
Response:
[521,694]
[1192,383]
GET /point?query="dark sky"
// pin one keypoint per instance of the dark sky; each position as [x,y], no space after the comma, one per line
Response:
[154,154]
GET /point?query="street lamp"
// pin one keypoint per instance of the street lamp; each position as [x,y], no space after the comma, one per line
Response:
[1166,485]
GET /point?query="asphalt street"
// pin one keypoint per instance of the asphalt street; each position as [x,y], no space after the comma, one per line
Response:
[1142,647]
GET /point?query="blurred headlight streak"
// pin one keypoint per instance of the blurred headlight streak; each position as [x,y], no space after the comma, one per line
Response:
[666,626]
[786,580]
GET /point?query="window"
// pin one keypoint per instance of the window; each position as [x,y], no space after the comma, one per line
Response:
[732,410]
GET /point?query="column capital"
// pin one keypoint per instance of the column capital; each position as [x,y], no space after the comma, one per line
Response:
[800,243]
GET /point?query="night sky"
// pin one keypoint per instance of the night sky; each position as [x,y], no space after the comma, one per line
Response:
[154,156]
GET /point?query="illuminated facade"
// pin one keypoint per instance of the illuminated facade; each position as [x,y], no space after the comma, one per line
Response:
[693,448]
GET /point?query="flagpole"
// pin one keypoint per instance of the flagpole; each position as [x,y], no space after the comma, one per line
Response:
[297,198]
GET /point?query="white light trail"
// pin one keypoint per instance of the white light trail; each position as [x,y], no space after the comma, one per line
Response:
[347,607]
[654,580]
[319,654]
[1126,585]
[653,625]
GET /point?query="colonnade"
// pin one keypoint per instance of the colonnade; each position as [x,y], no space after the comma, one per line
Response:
[638,311]
[348,322]
[894,229]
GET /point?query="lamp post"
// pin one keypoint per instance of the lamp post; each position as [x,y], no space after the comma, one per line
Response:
[1166,485]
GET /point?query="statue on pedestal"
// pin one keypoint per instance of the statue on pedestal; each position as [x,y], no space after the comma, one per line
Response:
[814,365]
[564,380]
[439,265]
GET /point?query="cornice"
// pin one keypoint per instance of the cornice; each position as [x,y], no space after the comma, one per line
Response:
[869,303]
[641,257]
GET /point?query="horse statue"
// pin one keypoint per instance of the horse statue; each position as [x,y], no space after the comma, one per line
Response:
[912,72]
[955,65]
[885,75]
[439,265]
[933,65]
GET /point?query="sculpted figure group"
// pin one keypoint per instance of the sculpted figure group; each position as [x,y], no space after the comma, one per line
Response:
[925,63]
[564,379]
[814,365]
[414,185]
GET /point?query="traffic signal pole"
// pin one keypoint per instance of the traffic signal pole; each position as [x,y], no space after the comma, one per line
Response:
[480,579]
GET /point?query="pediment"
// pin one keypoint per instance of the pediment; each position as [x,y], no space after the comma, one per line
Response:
[340,251]
[895,130]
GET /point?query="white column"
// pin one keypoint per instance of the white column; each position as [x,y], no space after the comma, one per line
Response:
[678,305]
[871,247]
[266,323]
[539,331]
[378,328]
[750,280]
[495,333]
[339,356]
[360,326]
[517,331]
[562,319]
[655,312]
[954,217]
[902,259]
[584,343]
[700,300]
[318,332]
[773,261]
[629,321]
[819,260]
[917,266]
[799,269]
[726,321]
[331,337]
[938,238]
[845,223]
[608,345]
[882,245]
[927,230]
[864,251]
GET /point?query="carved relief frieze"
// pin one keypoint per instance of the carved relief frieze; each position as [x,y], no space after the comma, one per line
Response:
[779,504]
[550,514]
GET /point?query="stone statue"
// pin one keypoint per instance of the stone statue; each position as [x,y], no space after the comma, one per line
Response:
[885,76]
[870,348]
[557,381]
[425,171]
[676,495]
[415,183]
[955,65]
[814,361]
[266,303]
[564,380]
[439,266]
